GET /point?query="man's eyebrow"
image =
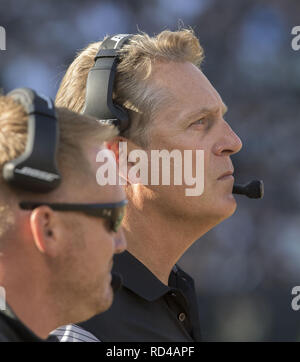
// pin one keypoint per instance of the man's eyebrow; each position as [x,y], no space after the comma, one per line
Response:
[206,110]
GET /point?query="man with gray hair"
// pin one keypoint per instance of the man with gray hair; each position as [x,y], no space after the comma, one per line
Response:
[171,105]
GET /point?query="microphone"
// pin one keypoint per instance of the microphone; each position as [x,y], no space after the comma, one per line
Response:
[253,189]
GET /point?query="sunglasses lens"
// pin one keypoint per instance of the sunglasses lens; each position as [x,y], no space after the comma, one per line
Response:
[118,217]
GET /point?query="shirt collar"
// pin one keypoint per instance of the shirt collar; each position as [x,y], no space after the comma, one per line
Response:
[8,312]
[138,278]
[22,331]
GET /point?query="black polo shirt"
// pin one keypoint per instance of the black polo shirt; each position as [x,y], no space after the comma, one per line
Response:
[13,330]
[146,310]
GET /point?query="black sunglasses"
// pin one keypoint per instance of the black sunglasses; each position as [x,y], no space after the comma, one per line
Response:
[114,212]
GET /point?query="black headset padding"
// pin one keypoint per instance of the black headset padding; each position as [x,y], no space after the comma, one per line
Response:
[36,169]
[100,83]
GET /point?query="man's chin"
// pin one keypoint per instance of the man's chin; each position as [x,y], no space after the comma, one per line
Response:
[229,206]
[225,209]
[107,299]
[103,298]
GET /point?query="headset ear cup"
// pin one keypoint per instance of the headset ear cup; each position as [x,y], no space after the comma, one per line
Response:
[100,83]
[36,169]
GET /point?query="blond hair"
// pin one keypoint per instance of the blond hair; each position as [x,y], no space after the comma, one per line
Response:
[74,131]
[133,88]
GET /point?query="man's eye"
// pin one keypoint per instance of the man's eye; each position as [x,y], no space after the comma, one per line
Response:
[201,121]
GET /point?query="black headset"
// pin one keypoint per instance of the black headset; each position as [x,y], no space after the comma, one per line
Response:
[36,169]
[100,83]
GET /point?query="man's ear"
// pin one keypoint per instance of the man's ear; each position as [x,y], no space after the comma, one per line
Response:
[113,145]
[45,230]
[122,147]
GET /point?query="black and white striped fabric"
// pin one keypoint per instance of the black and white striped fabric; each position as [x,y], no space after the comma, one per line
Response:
[73,333]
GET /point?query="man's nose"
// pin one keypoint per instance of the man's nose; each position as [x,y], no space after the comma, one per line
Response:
[229,143]
[120,241]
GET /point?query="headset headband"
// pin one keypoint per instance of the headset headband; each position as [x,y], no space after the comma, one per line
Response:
[36,170]
[100,83]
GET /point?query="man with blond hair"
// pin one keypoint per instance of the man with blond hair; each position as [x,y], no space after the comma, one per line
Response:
[171,106]
[56,244]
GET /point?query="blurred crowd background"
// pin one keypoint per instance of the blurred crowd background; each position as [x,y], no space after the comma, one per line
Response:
[246,267]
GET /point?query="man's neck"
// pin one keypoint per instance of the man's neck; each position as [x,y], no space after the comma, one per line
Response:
[159,241]
[34,312]
[29,299]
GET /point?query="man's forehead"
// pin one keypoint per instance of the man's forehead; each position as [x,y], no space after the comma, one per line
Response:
[190,90]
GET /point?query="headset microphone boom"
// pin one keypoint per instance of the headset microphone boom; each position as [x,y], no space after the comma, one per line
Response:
[253,189]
